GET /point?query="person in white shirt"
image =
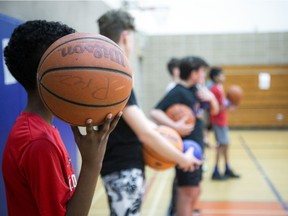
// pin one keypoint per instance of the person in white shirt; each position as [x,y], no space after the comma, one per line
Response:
[174,71]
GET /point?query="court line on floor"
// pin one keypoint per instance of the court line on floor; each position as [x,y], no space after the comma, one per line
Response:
[263,173]
[161,186]
[244,212]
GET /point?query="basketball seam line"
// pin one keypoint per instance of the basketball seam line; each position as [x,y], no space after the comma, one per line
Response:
[82,104]
[65,120]
[75,40]
[84,67]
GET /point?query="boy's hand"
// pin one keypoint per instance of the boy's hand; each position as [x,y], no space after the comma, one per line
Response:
[205,94]
[227,103]
[232,107]
[182,127]
[191,163]
[92,146]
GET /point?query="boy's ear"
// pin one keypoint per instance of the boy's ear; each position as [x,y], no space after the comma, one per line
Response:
[123,37]
[193,74]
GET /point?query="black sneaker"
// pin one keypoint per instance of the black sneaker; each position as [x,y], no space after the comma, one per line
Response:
[217,176]
[231,174]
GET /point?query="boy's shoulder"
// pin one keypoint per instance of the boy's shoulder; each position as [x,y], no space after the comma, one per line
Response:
[215,88]
[29,126]
[180,93]
[179,89]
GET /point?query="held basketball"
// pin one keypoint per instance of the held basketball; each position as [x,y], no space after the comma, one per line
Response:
[198,153]
[178,111]
[83,76]
[234,94]
[153,159]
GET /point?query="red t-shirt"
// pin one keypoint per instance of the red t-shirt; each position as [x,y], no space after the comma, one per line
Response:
[37,170]
[221,118]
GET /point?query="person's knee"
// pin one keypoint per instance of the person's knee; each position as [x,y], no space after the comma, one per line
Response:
[189,193]
[222,147]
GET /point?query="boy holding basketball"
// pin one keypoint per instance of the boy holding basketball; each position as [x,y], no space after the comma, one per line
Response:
[123,166]
[220,125]
[192,71]
[37,170]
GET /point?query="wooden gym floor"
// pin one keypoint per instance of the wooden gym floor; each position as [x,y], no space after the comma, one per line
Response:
[261,157]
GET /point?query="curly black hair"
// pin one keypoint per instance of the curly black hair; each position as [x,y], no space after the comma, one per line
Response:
[114,22]
[27,44]
[190,63]
[214,72]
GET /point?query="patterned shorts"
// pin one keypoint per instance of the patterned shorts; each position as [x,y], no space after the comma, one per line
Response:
[125,190]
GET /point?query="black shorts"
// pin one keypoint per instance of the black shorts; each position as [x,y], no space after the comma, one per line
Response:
[188,178]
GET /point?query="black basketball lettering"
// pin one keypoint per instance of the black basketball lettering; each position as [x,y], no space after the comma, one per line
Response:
[89,47]
[99,51]
[105,51]
[66,51]
[78,49]
[116,56]
[69,50]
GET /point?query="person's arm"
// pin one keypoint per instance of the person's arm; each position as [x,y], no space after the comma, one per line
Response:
[147,134]
[206,95]
[92,147]
[180,126]
[231,107]
[214,105]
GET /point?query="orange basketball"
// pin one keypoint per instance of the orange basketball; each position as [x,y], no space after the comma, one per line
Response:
[153,159]
[83,76]
[178,111]
[234,94]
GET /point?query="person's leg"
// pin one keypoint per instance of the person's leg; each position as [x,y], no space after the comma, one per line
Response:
[196,211]
[216,173]
[196,191]
[228,171]
[206,138]
[217,159]
[196,188]
[184,201]
[188,191]
[225,143]
[124,190]
[219,153]
[225,155]
[187,198]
